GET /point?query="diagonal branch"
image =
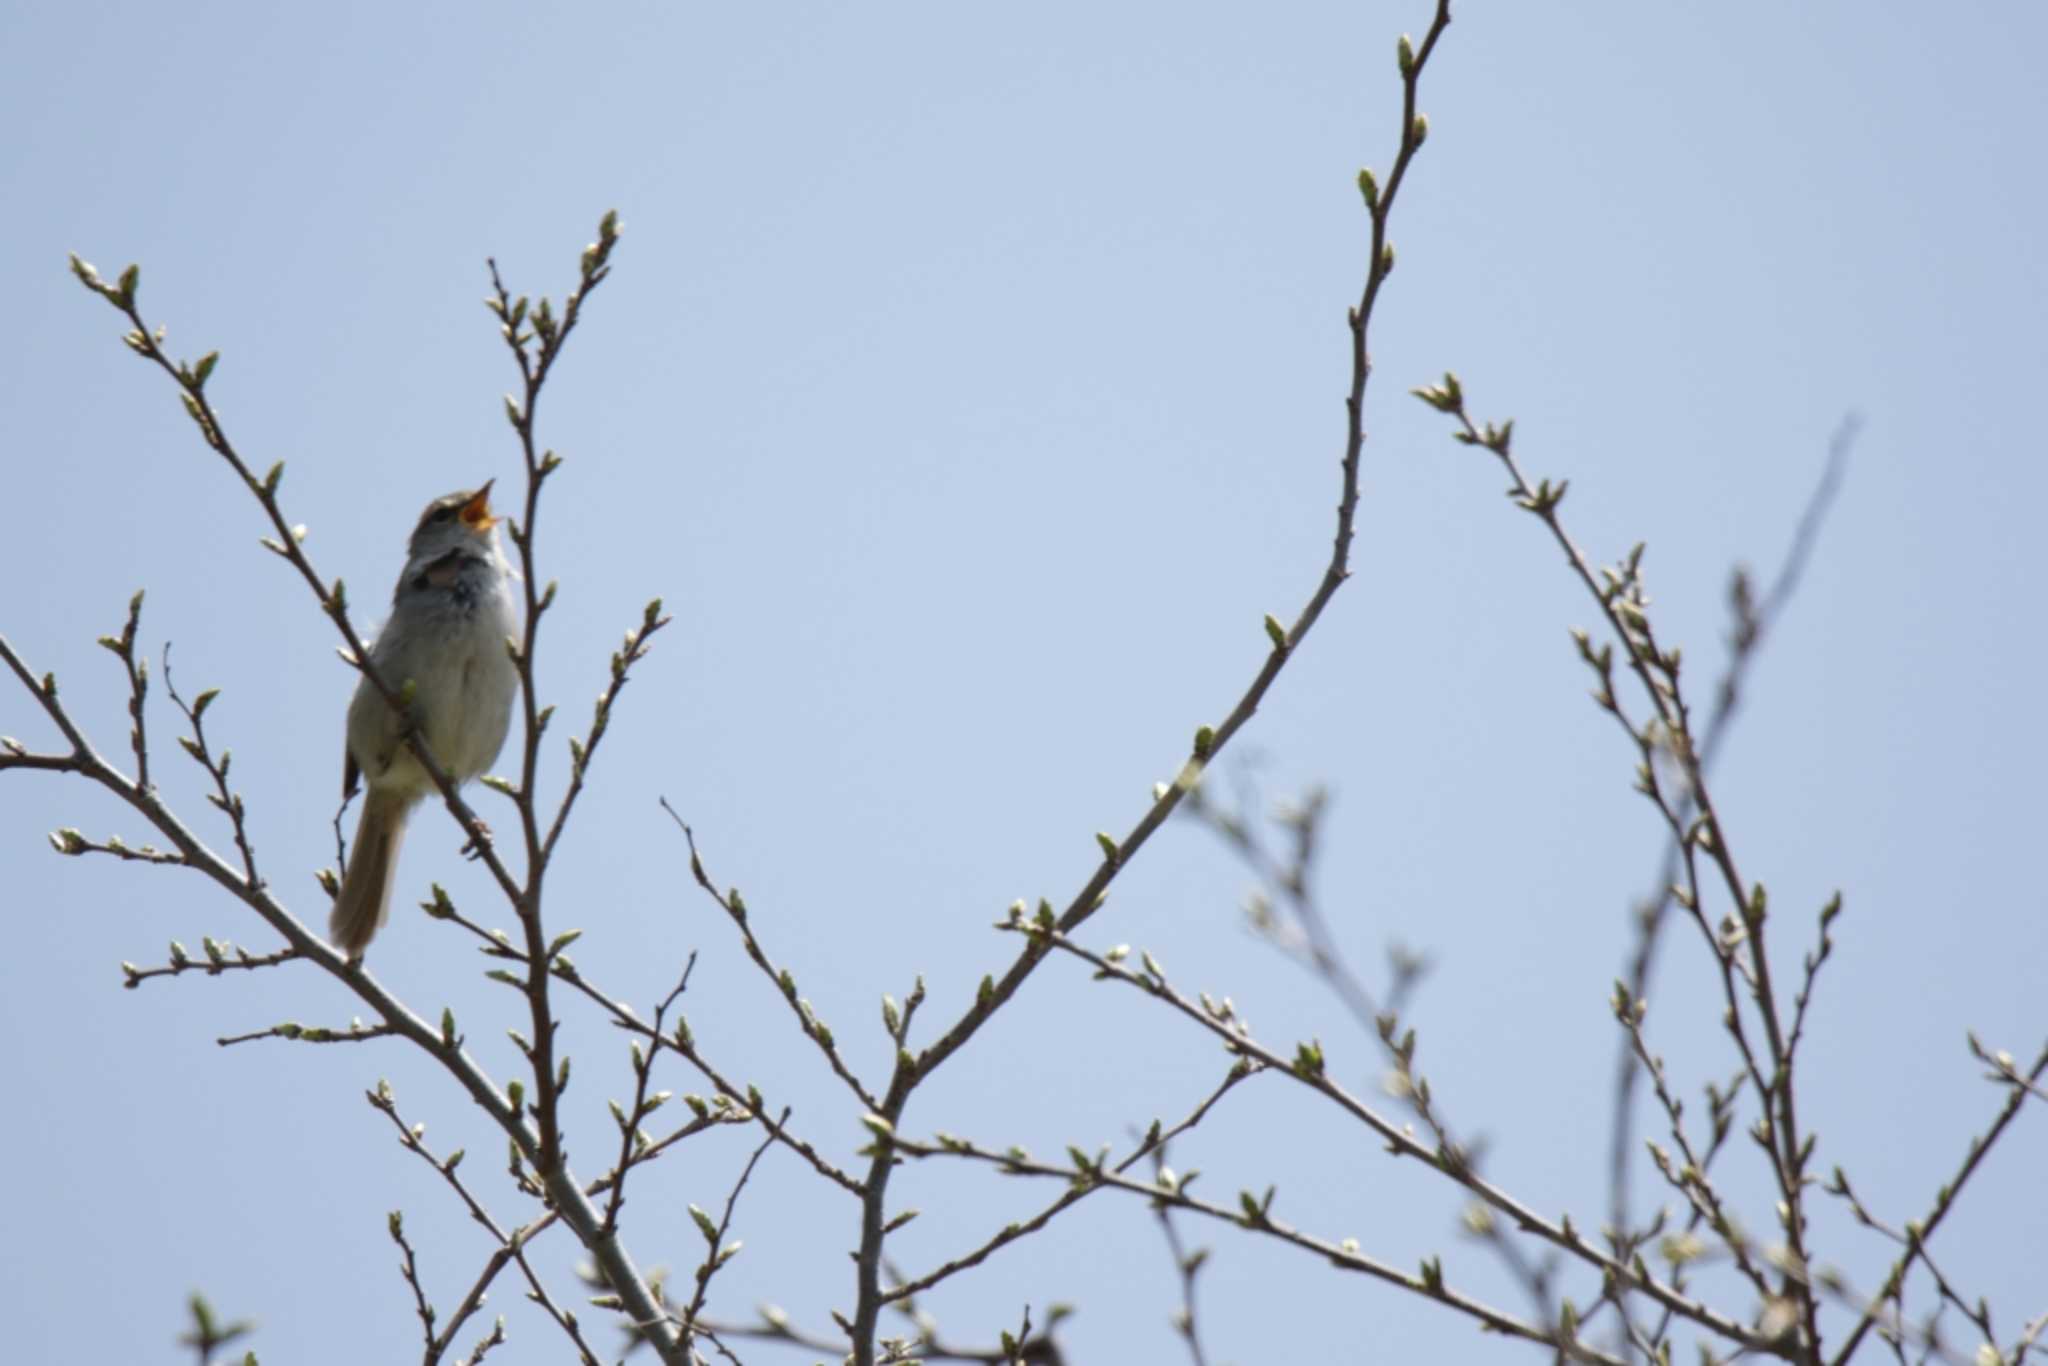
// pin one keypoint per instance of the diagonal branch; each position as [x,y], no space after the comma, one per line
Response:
[1923,1229]
[1153,1143]
[1308,1069]
[1251,1215]
[814,1029]
[511,1247]
[1208,741]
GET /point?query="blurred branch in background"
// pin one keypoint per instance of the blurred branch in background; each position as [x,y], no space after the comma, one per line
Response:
[208,1335]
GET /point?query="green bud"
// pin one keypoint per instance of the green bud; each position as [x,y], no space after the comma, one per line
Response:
[1369,187]
[1404,54]
[1276,632]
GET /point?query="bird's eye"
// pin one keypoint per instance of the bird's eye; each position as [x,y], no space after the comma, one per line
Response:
[442,514]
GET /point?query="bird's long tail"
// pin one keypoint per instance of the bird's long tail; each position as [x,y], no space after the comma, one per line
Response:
[365,899]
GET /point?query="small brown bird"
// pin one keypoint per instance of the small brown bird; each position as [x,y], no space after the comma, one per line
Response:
[451,613]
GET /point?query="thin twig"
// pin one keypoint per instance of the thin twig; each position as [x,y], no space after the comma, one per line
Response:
[512,1246]
[1754,622]
[683,1043]
[1308,1068]
[228,802]
[1155,1138]
[632,1139]
[409,1269]
[1923,1229]
[994,992]
[1252,1216]
[1623,603]
[1315,945]
[298,1033]
[214,964]
[717,1251]
[814,1029]
[1186,1265]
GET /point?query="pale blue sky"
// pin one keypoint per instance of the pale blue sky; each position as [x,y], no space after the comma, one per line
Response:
[969,387]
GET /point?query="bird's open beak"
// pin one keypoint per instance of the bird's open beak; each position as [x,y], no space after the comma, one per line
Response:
[476,513]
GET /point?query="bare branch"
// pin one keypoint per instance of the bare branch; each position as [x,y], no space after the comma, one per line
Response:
[1753,624]
[512,1246]
[682,1042]
[214,964]
[807,1020]
[229,802]
[356,1032]
[1308,1069]
[1208,741]
[1922,1229]
[1623,603]
[633,1140]
[717,1251]
[1251,1216]
[1186,1265]
[1155,1138]
[409,1268]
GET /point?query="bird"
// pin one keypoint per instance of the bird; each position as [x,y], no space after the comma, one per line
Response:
[451,616]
